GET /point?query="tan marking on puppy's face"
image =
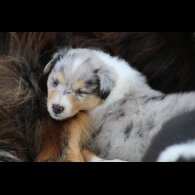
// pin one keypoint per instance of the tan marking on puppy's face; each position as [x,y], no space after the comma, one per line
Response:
[77,88]
[59,77]
[51,95]
[78,85]
[75,104]
[84,97]
[90,101]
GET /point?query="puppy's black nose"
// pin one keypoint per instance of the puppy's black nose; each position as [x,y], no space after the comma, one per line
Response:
[57,109]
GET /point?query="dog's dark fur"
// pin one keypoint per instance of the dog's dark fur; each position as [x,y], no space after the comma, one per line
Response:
[179,130]
[166,58]
[22,112]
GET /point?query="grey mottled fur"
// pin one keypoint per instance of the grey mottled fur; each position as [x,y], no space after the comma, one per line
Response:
[130,135]
[126,123]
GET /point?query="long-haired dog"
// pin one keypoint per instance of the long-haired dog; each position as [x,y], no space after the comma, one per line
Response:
[70,100]
[23,114]
[126,113]
[166,58]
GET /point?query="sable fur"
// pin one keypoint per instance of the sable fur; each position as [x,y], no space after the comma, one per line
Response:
[65,141]
[22,108]
[166,58]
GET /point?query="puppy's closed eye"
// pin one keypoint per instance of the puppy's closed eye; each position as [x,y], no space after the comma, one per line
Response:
[82,92]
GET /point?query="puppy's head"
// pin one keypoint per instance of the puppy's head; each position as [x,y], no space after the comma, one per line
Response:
[78,81]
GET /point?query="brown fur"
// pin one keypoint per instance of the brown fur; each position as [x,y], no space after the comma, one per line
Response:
[51,95]
[79,131]
[87,155]
[90,102]
[78,85]
[75,104]
[60,78]
[166,58]
[72,133]
[21,94]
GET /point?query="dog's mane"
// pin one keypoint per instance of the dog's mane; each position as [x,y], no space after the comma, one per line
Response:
[22,91]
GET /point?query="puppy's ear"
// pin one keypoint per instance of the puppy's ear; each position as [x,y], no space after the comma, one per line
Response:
[106,82]
[48,67]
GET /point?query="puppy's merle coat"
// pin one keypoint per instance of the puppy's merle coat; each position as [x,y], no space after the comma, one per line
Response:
[126,112]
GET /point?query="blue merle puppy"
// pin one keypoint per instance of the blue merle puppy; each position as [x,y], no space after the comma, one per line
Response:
[126,113]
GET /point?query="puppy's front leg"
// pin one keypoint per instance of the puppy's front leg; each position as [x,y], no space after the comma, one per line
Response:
[79,129]
[73,153]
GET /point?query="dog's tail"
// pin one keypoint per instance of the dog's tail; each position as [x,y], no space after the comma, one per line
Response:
[22,91]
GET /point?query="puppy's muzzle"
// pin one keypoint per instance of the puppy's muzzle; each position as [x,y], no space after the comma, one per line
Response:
[57,109]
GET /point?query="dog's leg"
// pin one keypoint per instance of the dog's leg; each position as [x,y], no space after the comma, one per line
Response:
[79,129]
[73,153]
[91,157]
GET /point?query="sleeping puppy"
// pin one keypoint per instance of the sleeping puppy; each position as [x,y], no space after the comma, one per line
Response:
[70,99]
[124,111]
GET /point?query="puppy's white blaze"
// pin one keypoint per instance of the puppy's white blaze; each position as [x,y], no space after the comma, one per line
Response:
[173,153]
[77,63]
[66,103]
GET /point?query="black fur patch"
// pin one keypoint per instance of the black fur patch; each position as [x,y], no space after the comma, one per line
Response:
[155,98]
[107,149]
[177,130]
[96,71]
[98,131]
[123,102]
[104,94]
[181,159]
[120,114]
[127,131]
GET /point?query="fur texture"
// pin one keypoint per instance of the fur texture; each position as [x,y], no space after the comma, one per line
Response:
[175,141]
[166,58]
[132,113]
[23,112]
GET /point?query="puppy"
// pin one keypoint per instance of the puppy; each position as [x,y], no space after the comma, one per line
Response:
[125,112]
[71,100]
